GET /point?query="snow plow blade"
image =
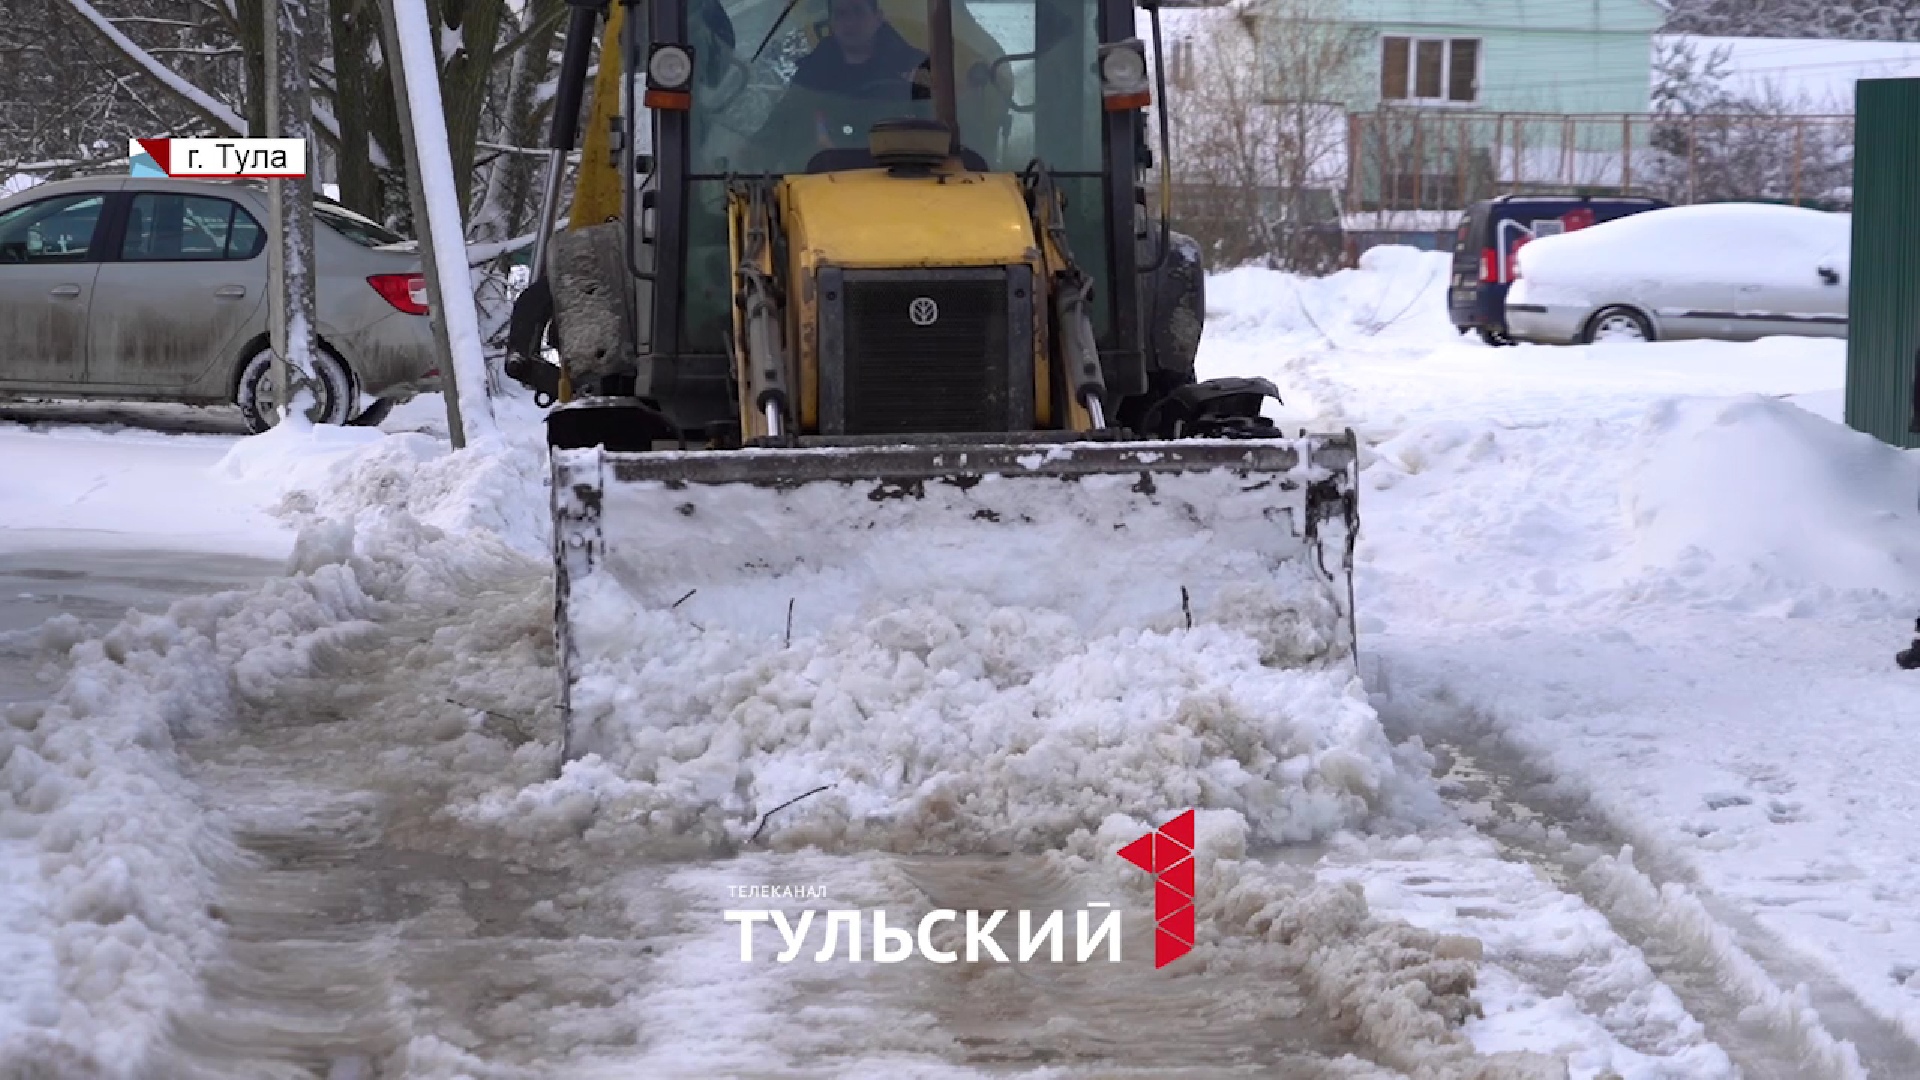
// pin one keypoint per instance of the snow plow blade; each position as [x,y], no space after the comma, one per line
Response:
[774,546]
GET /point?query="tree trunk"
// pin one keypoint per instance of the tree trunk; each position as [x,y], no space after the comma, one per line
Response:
[289,115]
[464,79]
[512,184]
[354,26]
[253,42]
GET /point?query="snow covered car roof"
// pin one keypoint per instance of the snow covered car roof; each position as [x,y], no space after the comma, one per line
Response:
[1749,241]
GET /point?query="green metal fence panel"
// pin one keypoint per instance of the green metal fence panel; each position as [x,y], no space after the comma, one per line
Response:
[1883,320]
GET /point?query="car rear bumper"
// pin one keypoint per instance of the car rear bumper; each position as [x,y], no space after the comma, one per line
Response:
[1546,324]
[393,356]
[1477,306]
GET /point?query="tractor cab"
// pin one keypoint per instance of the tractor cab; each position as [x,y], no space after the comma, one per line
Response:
[1027,99]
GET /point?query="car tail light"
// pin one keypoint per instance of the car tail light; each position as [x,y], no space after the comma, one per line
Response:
[1489,267]
[406,292]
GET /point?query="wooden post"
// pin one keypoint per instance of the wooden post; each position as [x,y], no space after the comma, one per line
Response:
[1519,160]
[1693,138]
[1353,162]
[1419,165]
[289,108]
[1463,165]
[1626,154]
[1799,148]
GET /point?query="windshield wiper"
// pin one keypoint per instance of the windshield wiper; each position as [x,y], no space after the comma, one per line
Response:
[774,29]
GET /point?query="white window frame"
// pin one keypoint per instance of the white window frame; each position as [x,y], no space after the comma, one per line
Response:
[1446,69]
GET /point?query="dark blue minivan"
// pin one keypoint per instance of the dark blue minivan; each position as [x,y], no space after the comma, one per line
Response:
[1492,229]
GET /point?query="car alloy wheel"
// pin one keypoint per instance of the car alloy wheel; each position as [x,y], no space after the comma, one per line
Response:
[259,398]
[1618,324]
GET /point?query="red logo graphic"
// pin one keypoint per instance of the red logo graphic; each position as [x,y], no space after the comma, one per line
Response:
[1167,853]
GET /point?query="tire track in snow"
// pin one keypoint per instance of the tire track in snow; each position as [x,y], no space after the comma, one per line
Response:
[357,952]
[1727,969]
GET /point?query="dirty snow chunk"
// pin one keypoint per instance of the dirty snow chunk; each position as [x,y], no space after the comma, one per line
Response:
[958,728]
[1760,489]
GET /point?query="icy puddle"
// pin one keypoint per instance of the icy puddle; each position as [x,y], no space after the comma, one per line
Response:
[95,587]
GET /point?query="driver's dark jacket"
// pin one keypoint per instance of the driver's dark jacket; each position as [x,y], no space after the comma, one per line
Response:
[827,70]
[823,82]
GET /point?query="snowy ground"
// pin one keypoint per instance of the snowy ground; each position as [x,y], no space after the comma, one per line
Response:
[1624,790]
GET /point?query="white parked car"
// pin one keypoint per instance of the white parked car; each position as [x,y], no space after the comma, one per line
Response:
[1733,271]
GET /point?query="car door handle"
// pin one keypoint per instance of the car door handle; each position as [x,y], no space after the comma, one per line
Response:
[66,290]
[230,292]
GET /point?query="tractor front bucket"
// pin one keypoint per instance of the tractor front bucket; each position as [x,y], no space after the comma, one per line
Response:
[772,547]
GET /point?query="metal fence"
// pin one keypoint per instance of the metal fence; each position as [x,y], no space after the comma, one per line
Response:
[1431,159]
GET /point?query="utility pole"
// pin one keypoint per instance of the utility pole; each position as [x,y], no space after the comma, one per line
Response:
[289,110]
[410,45]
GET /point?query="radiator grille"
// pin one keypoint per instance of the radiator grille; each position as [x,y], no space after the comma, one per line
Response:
[948,375]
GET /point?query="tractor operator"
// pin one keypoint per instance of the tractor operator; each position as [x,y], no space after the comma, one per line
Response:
[844,85]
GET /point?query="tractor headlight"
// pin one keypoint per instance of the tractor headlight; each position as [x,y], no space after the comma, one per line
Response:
[1123,75]
[1123,66]
[670,68]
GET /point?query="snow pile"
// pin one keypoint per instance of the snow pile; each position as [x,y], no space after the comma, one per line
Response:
[1395,293]
[320,474]
[1702,248]
[1749,504]
[959,729]
[1759,502]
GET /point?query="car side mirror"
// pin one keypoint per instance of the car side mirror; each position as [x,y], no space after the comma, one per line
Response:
[1829,275]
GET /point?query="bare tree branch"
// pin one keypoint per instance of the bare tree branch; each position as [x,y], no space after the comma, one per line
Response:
[190,95]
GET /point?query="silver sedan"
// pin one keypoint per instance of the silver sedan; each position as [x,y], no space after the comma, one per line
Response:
[141,289]
[1728,271]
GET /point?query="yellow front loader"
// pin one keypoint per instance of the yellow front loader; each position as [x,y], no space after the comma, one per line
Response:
[830,350]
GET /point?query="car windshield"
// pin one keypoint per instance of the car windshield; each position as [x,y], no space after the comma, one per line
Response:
[363,231]
[1025,70]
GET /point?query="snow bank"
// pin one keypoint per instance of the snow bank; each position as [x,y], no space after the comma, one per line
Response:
[1760,496]
[323,475]
[131,488]
[1396,293]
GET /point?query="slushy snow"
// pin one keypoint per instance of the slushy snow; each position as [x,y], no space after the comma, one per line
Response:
[1645,567]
